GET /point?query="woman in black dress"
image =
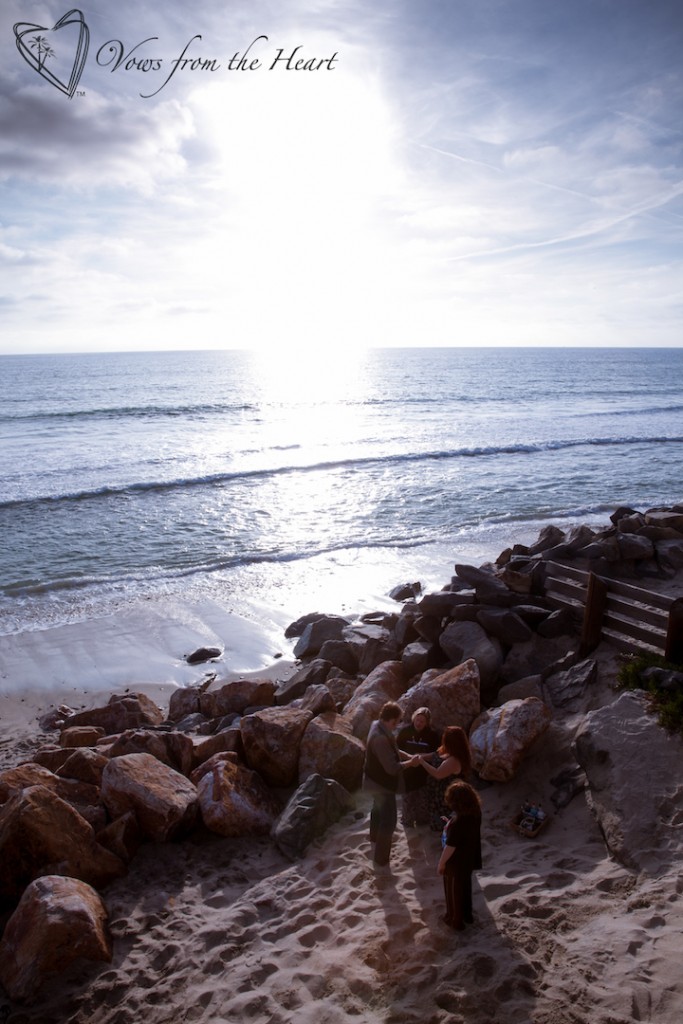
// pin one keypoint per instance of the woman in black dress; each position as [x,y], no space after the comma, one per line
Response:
[417,738]
[461,853]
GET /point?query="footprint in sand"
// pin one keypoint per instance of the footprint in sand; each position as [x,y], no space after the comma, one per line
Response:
[313,936]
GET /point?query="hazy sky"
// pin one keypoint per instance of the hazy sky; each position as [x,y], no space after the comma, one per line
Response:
[448,172]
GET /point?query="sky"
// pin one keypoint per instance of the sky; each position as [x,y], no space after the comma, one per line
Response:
[293,176]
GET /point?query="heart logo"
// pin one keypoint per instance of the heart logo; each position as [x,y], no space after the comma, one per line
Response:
[60,64]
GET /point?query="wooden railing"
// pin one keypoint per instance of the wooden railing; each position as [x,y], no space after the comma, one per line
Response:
[630,618]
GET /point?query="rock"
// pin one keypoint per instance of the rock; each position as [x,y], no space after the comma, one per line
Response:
[419,656]
[549,537]
[405,591]
[330,749]
[442,605]
[84,765]
[463,640]
[42,834]
[296,628]
[532,686]
[58,920]
[172,748]
[451,696]
[52,757]
[317,699]
[235,801]
[501,737]
[315,671]
[376,645]
[223,757]
[341,654]
[386,682]
[317,804]
[221,742]
[184,701]
[489,589]
[561,622]
[163,801]
[127,711]
[532,614]
[532,658]
[505,625]
[330,627]
[122,837]
[237,696]
[404,630]
[80,736]
[669,554]
[203,654]
[197,722]
[82,796]
[569,689]
[341,688]
[631,545]
[634,770]
[271,741]
[670,518]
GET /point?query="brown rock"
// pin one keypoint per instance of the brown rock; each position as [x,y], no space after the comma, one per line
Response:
[452,696]
[58,920]
[222,757]
[235,801]
[52,757]
[501,737]
[163,801]
[330,749]
[127,711]
[84,765]
[184,701]
[387,682]
[42,834]
[122,837]
[227,740]
[82,796]
[80,736]
[235,697]
[172,748]
[271,739]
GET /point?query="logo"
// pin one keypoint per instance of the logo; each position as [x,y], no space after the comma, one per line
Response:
[58,53]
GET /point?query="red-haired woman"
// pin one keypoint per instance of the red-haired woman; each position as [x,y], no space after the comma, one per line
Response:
[461,854]
[453,759]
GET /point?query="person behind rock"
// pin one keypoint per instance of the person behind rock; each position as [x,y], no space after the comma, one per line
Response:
[461,853]
[417,738]
[453,758]
[382,776]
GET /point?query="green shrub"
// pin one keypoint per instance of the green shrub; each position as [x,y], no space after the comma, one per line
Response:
[667,703]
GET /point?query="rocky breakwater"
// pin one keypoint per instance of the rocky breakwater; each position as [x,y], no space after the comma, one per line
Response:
[257,757]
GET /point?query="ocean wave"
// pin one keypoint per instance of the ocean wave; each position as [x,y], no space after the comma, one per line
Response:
[131,412]
[218,479]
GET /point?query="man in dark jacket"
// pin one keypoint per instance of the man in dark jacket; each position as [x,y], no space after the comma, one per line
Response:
[382,776]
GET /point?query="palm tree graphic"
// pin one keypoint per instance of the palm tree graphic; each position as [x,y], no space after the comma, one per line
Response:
[43,48]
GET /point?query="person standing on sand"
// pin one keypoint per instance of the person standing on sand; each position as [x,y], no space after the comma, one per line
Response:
[417,738]
[461,854]
[453,758]
[382,776]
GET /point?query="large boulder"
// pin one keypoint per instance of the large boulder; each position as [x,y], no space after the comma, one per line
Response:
[237,696]
[330,749]
[634,770]
[58,920]
[501,737]
[271,740]
[84,765]
[184,701]
[314,635]
[163,801]
[171,748]
[123,711]
[387,682]
[451,696]
[463,640]
[84,797]
[572,688]
[314,672]
[505,625]
[317,804]
[235,801]
[41,834]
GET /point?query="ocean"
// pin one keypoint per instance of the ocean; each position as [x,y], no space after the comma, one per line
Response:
[298,478]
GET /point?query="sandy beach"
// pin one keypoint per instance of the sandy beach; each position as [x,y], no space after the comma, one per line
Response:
[215,930]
